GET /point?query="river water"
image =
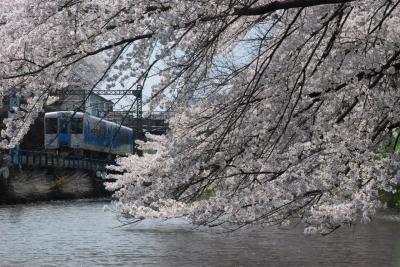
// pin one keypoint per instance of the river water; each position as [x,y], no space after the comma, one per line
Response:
[82,234]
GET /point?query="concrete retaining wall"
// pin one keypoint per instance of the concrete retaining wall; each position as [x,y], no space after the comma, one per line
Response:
[31,185]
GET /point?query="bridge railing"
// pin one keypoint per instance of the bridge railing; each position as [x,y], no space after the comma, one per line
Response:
[28,158]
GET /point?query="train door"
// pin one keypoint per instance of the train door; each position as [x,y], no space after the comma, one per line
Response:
[64,132]
[51,133]
[76,130]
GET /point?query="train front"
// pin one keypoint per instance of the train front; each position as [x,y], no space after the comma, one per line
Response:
[63,130]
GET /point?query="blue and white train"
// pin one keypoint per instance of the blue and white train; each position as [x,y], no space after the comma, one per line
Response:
[67,130]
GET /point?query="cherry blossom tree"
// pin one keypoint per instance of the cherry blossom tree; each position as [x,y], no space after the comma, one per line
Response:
[285,110]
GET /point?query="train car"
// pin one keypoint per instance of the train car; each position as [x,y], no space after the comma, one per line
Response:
[66,130]
[105,136]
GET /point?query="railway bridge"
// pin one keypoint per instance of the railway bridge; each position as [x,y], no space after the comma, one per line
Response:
[25,159]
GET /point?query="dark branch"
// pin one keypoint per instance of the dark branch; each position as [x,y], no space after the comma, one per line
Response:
[288,4]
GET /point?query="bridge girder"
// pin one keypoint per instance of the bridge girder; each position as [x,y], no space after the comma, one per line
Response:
[62,92]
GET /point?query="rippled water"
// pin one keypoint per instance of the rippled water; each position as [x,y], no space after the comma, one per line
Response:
[81,234]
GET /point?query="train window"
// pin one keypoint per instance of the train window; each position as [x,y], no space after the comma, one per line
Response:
[77,125]
[99,131]
[64,127]
[94,130]
[51,125]
[124,137]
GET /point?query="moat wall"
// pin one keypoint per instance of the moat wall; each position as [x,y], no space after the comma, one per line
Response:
[30,185]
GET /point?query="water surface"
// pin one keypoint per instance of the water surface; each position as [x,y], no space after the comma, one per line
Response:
[82,234]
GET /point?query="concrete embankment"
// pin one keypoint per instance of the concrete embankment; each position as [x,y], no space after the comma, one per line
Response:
[49,184]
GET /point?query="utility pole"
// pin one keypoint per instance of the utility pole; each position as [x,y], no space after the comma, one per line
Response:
[139,110]
[138,121]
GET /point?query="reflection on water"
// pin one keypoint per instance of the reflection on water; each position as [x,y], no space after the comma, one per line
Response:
[81,234]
